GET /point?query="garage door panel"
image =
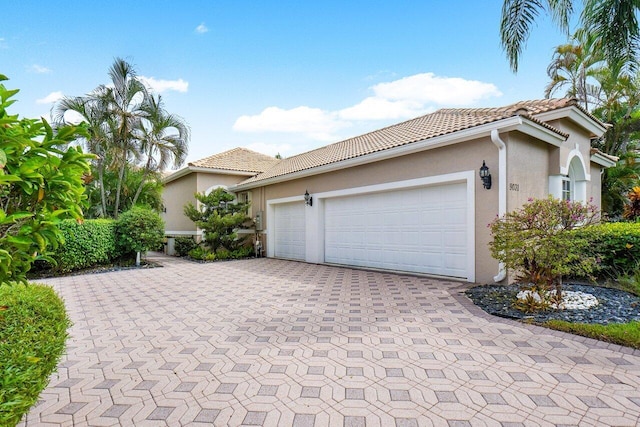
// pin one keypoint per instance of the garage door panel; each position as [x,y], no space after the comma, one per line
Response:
[419,230]
[290,241]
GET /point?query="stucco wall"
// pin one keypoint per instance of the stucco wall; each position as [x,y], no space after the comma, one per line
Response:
[181,191]
[176,195]
[457,158]
[527,169]
[595,190]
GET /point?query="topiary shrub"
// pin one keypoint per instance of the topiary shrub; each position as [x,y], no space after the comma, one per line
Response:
[614,246]
[138,230]
[33,331]
[86,244]
[184,244]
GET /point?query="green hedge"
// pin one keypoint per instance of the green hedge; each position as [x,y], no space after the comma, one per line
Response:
[86,244]
[33,331]
[616,247]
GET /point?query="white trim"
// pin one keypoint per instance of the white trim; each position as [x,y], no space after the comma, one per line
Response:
[194,169]
[314,215]
[564,170]
[183,233]
[577,116]
[601,160]
[509,124]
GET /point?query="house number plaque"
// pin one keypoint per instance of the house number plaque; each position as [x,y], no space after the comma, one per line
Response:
[514,187]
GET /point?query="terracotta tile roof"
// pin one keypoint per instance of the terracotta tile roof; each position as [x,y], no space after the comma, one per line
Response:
[441,122]
[239,159]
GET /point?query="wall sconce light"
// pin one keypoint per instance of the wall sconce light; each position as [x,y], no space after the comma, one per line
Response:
[163,208]
[485,176]
[308,200]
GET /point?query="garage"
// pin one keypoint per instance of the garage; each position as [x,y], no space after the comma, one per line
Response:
[421,230]
[289,233]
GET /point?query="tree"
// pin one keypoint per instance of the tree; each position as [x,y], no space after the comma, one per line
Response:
[220,218]
[573,67]
[613,23]
[535,241]
[40,184]
[163,139]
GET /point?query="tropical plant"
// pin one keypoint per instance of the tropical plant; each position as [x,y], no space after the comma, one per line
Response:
[632,209]
[612,23]
[40,184]
[535,241]
[220,217]
[573,67]
[129,130]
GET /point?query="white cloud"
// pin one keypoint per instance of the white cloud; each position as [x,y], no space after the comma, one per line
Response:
[313,122]
[400,99]
[159,86]
[428,88]
[38,69]
[201,29]
[51,98]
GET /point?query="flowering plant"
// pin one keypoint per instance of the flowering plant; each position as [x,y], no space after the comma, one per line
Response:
[535,241]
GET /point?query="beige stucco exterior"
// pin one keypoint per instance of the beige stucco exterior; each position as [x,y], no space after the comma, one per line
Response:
[528,158]
[180,191]
[529,164]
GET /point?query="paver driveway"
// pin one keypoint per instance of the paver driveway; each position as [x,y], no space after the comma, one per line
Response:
[278,343]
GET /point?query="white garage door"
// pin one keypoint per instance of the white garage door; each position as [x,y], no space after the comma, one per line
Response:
[419,230]
[290,230]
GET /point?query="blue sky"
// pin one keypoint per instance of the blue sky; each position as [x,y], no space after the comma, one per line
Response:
[274,76]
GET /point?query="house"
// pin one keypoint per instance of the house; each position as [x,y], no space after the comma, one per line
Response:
[220,170]
[410,198]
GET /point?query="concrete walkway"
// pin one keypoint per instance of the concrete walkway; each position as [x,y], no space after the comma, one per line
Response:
[279,343]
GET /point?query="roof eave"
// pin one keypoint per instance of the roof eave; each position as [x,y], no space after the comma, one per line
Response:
[602,160]
[577,116]
[197,169]
[505,125]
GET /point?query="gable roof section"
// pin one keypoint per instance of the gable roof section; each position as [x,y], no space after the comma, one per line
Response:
[442,122]
[237,161]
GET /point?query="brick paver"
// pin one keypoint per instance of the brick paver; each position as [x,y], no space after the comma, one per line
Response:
[279,343]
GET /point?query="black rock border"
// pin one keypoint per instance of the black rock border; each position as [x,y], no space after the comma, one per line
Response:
[614,305]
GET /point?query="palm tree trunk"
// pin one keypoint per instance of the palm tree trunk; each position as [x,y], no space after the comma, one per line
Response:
[116,208]
[103,197]
[144,177]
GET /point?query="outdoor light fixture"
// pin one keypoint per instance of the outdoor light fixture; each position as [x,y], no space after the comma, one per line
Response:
[223,205]
[485,176]
[308,200]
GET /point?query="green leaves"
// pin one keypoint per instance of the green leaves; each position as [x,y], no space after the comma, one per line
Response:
[536,242]
[219,217]
[40,184]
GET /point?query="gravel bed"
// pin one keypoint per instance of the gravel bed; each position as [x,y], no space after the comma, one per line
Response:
[615,306]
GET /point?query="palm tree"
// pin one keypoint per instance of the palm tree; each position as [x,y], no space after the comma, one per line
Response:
[612,22]
[111,113]
[123,102]
[162,138]
[573,67]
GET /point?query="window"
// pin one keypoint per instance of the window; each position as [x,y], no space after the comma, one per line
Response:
[566,188]
[243,198]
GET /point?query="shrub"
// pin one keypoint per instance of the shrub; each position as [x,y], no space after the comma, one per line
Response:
[40,184]
[33,330]
[632,208]
[138,230]
[185,244]
[86,244]
[197,253]
[615,246]
[536,241]
[219,218]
